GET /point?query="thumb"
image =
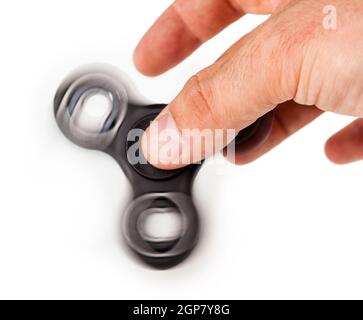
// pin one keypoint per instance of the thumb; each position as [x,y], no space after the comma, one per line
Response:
[258,73]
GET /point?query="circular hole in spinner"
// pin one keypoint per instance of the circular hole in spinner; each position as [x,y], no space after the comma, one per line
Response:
[98,104]
[160,224]
[162,228]
[90,107]
[94,109]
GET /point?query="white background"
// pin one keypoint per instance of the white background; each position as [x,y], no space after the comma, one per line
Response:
[287,226]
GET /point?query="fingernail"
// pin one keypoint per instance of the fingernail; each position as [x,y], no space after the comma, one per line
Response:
[162,141]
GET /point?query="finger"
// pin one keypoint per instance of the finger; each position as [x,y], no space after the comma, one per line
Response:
[184,26]
[346,146]
[229,95]
[289,118]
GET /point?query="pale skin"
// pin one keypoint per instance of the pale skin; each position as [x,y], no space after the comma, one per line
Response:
[290,64]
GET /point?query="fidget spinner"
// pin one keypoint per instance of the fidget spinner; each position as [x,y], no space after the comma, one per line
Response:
[155,191]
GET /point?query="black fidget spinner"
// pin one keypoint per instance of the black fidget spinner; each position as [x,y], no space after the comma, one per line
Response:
[154,190]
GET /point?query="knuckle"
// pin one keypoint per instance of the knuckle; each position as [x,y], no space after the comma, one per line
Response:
[199,99]
[293,38]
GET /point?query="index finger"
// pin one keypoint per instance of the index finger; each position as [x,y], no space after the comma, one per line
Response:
[180,30]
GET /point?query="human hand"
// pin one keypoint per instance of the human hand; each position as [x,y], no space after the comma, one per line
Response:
[296,63]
